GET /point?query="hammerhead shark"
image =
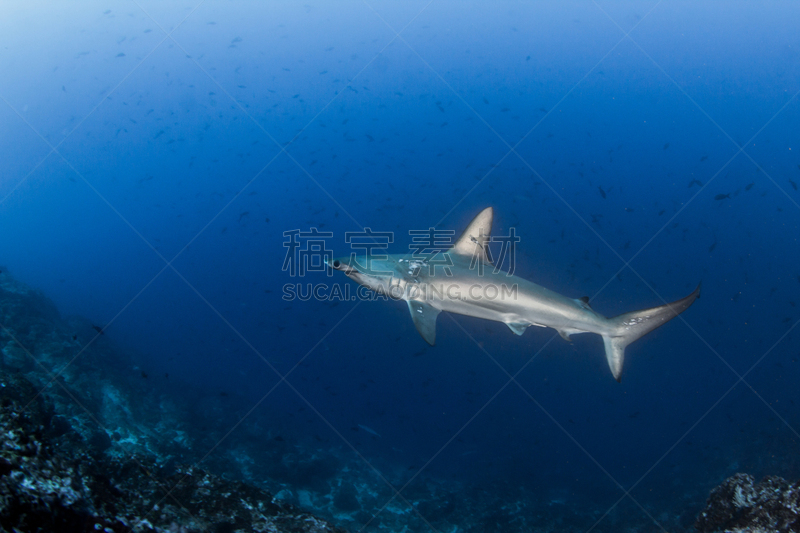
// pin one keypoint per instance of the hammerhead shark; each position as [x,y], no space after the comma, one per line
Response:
[463,280]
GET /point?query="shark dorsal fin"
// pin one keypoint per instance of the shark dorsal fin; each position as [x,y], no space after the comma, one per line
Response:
[474,241]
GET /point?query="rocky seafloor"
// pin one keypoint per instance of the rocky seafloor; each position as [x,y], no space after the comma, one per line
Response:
[89,443]
[51,479]
[740,505]
[76,454]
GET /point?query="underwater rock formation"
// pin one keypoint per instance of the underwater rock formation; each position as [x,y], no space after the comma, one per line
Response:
[740,505]
[77,454]
[51,479]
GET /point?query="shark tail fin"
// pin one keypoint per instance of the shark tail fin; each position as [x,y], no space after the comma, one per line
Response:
[628,327]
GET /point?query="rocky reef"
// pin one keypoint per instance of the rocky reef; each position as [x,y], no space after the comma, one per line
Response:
[51,479]
[740,505]
[77,454]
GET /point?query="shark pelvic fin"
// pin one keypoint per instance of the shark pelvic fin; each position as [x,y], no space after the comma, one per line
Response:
[517,327]
[474,241]
[629,327]
[424,317]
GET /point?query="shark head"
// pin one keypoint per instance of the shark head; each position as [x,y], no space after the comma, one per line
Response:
[398,275]
[382,274]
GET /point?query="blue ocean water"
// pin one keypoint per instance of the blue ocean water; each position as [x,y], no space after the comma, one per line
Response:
[157,158]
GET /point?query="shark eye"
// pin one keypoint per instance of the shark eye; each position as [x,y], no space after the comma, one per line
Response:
[336,263]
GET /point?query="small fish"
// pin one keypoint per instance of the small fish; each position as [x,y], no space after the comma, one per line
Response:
[695,182]
[794,185]
[98,329]
[722,196]
[666,146]
[749,186]
[602,192]
[369,430]
[703,158]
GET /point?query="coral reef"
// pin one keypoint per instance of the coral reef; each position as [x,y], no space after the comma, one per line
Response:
[741,505]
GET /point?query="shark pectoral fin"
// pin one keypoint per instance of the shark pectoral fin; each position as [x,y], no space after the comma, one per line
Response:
[517,327]
[564,335]
[424,317]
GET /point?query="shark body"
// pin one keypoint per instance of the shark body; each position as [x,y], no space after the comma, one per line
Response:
[462,280]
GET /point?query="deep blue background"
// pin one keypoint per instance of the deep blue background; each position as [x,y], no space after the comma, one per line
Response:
[168,149]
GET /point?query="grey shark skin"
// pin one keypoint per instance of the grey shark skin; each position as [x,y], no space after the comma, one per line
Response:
[463,281]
